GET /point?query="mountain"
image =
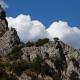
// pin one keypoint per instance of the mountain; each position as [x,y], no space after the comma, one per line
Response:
[39,60]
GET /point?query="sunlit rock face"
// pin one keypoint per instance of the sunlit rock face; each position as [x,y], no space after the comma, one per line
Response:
[68,57]
[8,40]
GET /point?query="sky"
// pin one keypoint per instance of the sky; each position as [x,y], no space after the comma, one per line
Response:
[47,11]
[38,19]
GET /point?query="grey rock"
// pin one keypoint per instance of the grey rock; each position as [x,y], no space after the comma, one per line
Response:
[54,54]
[8,41]
[25,77]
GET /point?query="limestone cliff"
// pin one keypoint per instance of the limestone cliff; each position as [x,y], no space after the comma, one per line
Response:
[40,60]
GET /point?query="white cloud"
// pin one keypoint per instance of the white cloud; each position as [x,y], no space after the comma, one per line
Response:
[69,35]
[28,29]
[3,4]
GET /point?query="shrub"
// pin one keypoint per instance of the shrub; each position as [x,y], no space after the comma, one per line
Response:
[36,64]
[56,39]
[3,75]
[41,42]
[12,77]
[58,63]
[15,54]
[19,67]
[22,65]
[56,77]
[74,76]
[2,66]
[29,44]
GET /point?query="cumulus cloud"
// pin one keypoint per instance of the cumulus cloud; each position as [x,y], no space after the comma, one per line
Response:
[27,29]
[3,4]
[68,34]
[31,30]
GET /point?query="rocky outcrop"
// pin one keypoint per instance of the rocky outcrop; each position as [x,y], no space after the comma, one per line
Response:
[8,41]
[64,62]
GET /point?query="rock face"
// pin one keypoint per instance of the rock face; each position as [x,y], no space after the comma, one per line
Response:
[3,24]
[42,60]
[8,41]
[65,62]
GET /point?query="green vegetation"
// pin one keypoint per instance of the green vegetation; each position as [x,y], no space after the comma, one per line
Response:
[2,66]
[19,67]
[56,77]
[40,42]
[29,44]
[3,74]
[36,64]
[15,54]
[74,76]
[6,76]
[59,64]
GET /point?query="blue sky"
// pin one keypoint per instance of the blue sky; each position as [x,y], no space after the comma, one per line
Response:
[54,14]
[47,11]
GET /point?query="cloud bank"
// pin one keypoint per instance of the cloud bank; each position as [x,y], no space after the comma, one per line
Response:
[31,30]
[27,29]
[68,34]
[3,4]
